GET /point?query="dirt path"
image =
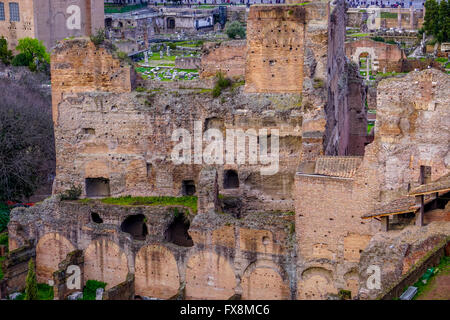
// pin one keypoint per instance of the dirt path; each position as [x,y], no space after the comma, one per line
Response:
[439,288]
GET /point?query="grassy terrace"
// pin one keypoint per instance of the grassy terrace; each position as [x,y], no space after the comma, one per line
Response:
[189,202]
[110,8]
[388,15]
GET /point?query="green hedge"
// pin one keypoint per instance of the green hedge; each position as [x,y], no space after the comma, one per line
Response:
[4,217]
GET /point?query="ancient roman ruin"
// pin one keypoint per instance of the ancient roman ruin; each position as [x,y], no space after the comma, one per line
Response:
[342,201]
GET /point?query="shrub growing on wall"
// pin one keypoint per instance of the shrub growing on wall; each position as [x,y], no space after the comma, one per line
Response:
[235,30]
[5,54]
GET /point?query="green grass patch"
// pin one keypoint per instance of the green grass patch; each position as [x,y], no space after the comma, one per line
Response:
[85,201]
[205,90]
[389,74]
[90,290]
[369,127]
[45,292]
[188,201]
[360,35]
[299,4]
[388,15]
[442,269]
[123,9]
[441,60]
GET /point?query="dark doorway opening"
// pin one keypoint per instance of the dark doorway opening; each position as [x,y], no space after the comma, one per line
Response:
[135,225]
[188,188]
[95,217]
[97,187]
[170,23]
[425,174]
[230,180]
[177,232]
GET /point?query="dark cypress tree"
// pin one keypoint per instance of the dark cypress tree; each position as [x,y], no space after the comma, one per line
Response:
[431,19]
[31,283]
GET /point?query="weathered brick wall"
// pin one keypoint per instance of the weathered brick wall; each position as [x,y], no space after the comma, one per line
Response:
[105,261]
[123,291]
[215,267]
[90,105]
[275,48]
[227,57]
[330,232]
[15,268]
[346,119]
[78,66]
[187,62]
[413,127]
[51,249]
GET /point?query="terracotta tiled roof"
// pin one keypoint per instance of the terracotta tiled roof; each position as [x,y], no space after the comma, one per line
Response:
[401,205]
[398,206]
[440,185]
[344,167]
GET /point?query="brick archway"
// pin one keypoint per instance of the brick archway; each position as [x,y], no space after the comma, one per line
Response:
[263,280]
[209,276]
[315,284]
[156,272]
[105,261]
[51,250]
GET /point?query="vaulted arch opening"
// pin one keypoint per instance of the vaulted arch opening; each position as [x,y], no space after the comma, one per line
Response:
[135,225]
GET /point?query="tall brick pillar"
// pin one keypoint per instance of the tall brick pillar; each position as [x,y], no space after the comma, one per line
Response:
[88,28]
[208,191]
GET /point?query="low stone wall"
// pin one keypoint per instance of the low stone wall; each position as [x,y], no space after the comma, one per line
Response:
[430,260]
[15,268]
[123,291]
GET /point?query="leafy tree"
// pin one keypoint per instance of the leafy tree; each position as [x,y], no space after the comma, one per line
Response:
[22,60]
[430,23]
[235,29]
[437,19]
[444,21]
[5,54]
[31,291]
[33,48]
[34,52]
